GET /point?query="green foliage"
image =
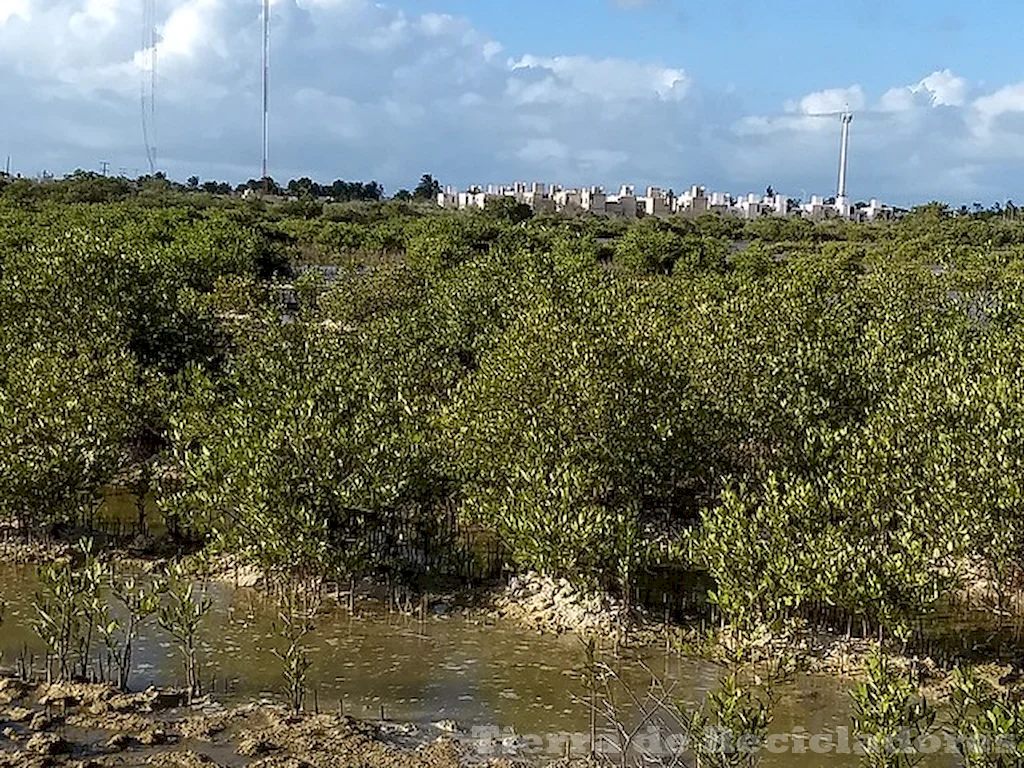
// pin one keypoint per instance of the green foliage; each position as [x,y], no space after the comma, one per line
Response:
[99,309]
[753,261]
[340,237]
[507,209]
[298,606]
[832,414]
[547,460]
[441,242]
[182,615]
[987,722]
[318,440]
[889,717]
[67,410]
[649,248]
[428,188]
[728,730]
[138,602]
[69,607]
[653,246]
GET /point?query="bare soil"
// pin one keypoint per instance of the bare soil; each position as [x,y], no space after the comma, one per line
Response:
[83,725]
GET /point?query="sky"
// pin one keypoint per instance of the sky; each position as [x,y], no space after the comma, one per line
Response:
[722,93]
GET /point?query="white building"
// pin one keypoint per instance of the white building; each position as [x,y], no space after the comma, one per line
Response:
[875,211]
[593,200]
[694,202]
[624,204]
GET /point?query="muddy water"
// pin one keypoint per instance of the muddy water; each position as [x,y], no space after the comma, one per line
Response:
[445,667]
[120,505]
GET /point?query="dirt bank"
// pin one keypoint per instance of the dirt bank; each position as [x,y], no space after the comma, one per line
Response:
[554,605]
[96,725]
[143,553]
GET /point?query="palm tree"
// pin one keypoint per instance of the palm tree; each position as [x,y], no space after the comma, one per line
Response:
[428,188]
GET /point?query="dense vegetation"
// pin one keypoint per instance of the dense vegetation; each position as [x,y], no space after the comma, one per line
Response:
[806,412]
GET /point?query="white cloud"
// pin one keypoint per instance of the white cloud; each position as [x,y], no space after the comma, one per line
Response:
[1006,100]
[11,8]
[829,101]
[939,89]
[607,79]
[192,30]
[360,89]
[945,88]
[996,125]
[900,99]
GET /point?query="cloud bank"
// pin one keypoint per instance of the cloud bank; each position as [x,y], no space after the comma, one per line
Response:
[362,90]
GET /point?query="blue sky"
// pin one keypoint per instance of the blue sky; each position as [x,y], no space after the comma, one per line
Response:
[769,49]
[666,92]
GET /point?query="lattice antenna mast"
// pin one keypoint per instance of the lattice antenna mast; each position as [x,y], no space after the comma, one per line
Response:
[266,91]
[152,86]
[147,88]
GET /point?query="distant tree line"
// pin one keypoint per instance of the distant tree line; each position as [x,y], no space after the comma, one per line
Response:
[339,190]
[90,187]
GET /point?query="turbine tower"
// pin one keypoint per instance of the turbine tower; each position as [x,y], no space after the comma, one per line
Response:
[842,202]
[266,90]
[147,86]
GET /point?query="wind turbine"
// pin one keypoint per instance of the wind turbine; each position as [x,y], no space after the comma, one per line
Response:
[842,202]
[845,117]
[792,119]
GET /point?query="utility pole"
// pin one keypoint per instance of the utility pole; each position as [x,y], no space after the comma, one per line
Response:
[104,165]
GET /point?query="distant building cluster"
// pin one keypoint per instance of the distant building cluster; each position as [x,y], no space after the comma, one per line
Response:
[543,198]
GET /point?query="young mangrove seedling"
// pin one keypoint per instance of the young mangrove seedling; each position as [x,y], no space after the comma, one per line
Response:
[182,615]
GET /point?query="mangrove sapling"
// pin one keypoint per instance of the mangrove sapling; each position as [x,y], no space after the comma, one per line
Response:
[94,612]
[294,621]
[141,483]
[57,620]
[729,728]
[726,731]
[68,606]
[633,552]
[182,615]
[889,716]
[987,722]
[139,602]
